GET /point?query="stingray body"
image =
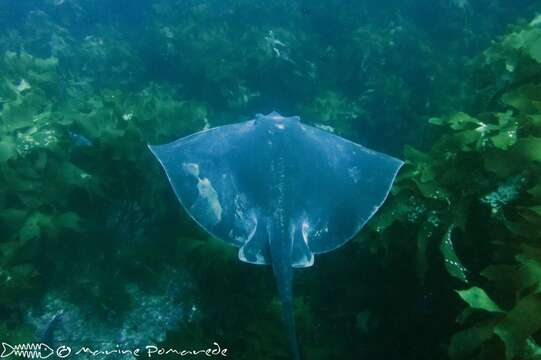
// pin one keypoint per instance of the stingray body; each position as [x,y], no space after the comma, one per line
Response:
[279,190]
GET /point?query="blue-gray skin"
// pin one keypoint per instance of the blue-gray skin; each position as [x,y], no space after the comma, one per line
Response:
[279,190]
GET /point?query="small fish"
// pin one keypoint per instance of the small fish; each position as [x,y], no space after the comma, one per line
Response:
[78,139]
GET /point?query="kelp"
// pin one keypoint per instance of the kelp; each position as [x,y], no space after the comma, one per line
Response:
[483,173]
[59,156]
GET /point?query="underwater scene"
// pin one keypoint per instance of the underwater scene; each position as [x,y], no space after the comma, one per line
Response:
[281,179]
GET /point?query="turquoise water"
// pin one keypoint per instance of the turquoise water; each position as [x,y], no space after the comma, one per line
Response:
[96,252]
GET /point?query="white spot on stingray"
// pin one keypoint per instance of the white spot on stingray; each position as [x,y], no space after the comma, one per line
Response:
[316,231]
[191,168]
[207,192]
[208,197]
[280,126]
[354,174]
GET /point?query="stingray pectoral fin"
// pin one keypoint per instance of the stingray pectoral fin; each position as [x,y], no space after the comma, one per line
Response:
[203,171]
[343,185]
[229,177]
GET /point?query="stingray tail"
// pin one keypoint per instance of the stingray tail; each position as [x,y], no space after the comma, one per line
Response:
[283,272]
[291,333]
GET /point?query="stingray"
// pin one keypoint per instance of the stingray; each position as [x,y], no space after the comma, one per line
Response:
[279,190]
